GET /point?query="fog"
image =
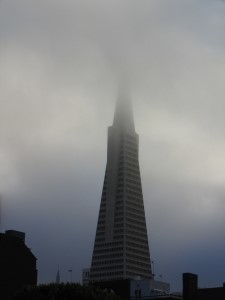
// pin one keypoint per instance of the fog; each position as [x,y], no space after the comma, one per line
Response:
[61,63]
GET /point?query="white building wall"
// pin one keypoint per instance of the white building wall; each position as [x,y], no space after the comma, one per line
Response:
[143,288]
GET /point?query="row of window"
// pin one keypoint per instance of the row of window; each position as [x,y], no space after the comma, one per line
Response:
[131,248]
[99,240]
[101,216]
[137,194]
[135,216]
[118,225]
[119,191]
[137,222]
[112,244]
[105,256]
[139,212]
[132,166]
[118,231]
[118,237]
[120,213]
[119,201]
[100,233]
[137,231]
[136,228]
[118,220]
[114,267]
[101,227]
[128,143]
[102,210]
[121,168]
[134,250]
[134,188]
[132,175]
[101,222]
[107,250]
[132,160]
[107,274]
[128,158]
[137,263]
[119,206]
[137,246]
[131,212]
[141,270]
[134,181]
[133,151]
[134,257]
[134,201]
[140,241]
[134,274]
[133,170]
[138,257]
[120,185]
[107,262]
[132,232]
[130,137]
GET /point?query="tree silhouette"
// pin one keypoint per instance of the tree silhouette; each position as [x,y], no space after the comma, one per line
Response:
[64,292]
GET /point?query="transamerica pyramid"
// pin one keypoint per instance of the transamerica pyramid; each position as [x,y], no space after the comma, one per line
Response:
[121,249]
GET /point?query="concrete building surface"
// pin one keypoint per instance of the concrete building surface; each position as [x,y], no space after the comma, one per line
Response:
[17,264]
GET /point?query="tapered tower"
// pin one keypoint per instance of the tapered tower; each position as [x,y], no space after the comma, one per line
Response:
[121,249]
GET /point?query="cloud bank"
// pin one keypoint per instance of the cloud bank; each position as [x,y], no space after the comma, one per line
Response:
[60,66]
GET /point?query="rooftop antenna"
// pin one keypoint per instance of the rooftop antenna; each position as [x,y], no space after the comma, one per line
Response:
[58,277]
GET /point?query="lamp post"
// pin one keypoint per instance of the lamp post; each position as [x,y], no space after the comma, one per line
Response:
[71,275]
[153,269]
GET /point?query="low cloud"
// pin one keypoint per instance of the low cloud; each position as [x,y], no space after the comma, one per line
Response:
[60,65]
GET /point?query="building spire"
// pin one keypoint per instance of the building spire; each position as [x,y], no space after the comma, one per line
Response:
[58,277]
[123,117]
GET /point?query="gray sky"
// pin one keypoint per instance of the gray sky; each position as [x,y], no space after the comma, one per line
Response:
[60,66]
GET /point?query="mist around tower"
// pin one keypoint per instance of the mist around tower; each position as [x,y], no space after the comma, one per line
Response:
[60,67]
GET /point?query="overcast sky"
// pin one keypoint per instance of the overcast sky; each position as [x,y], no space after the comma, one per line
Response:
[60,66]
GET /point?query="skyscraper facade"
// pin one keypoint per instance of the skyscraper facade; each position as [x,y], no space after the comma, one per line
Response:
[121,249]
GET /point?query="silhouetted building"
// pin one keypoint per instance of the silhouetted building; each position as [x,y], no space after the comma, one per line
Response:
[121,249]
[192,292]
[190,286]
[17,264]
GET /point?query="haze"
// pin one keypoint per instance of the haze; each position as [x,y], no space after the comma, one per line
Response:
[61,63]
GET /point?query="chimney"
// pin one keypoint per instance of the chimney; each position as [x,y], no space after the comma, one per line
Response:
[190,286]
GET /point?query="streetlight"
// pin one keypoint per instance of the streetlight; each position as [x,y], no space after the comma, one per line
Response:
[71,275]
[153,268]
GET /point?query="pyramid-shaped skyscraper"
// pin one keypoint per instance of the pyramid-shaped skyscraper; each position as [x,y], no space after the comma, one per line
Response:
[121,249]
